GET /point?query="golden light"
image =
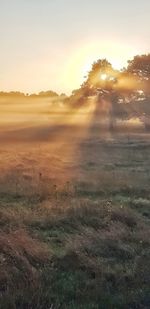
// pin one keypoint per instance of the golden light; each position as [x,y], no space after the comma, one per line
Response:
[81,58]
[103,76]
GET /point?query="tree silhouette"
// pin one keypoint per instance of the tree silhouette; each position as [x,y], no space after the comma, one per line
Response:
[139,67]
[102,75]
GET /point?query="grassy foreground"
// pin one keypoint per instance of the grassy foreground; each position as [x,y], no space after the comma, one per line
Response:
[74,212]
[75,251]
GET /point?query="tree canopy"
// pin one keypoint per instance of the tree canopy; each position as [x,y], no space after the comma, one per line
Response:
[140,66]
[102,75]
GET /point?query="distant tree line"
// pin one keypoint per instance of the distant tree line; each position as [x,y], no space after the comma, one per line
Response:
[127,89]
[41,94]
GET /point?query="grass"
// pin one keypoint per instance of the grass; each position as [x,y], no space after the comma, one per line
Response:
[84,253]
[79,241]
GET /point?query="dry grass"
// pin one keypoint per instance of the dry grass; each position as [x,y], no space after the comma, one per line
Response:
[92,247]
[20,256]
[74,219]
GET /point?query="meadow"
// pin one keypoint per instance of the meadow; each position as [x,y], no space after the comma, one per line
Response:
[74,208]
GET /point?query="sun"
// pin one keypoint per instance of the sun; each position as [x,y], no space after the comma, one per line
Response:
[82,56]
[103,76]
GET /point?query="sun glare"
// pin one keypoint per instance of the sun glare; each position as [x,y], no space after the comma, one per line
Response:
[80,61]
[103,76]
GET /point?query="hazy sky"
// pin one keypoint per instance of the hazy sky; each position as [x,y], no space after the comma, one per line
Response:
[50,44]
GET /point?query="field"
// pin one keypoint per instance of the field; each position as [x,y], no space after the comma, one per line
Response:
[74,208]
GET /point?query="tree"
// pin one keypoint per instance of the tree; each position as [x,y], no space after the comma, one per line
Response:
[48,93]
[113,89]
[102,75]
[139,67]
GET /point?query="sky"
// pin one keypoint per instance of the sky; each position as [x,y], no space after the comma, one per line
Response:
[51,44]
